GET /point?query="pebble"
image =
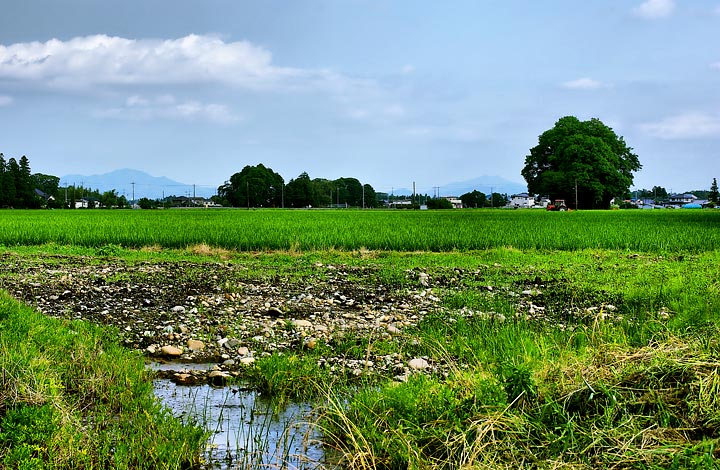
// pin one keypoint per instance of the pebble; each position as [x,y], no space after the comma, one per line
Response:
[171,351]
[418,364]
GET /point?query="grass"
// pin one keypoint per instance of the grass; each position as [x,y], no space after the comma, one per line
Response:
[71,397]
[580,340]
[299,231]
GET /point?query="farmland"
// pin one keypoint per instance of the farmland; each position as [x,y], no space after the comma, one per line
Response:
[483,339]
[405,231]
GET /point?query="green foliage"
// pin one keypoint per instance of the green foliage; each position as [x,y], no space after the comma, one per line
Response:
[304,192]
[474,199]
[714,194]
[439,203]
[580,157]
[145,203]
[254,186]
[26,431]
[71,397]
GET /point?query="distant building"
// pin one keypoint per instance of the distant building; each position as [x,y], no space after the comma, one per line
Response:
[680,200]
[522,200]
[456,203]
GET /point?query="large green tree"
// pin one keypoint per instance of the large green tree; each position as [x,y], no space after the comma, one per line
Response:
[474,199]
[253,186]
[583,158]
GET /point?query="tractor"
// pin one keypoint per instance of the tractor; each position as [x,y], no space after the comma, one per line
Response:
[558,205]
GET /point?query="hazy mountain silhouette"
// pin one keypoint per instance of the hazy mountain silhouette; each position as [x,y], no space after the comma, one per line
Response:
[146,185]
[484,184]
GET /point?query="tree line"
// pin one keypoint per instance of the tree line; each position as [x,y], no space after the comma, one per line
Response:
[260,186]
[22,189]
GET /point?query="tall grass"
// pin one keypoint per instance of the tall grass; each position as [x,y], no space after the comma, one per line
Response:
[648,231]
[71,397]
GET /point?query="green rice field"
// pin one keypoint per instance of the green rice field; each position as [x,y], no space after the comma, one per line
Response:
[648,231]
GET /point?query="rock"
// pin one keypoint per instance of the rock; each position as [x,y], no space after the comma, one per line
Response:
[195,345]
[393,330]
[418,364]
[178,309]
[246,361]
[302,324]
[151,350]
[243,351]
[275,312]
[218,378]
[232,343]
[184,379]
[171,351]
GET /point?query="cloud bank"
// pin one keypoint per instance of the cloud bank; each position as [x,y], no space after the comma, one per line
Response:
[138,108]
[108,60]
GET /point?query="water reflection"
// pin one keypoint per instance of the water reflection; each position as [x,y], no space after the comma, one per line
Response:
[246,432]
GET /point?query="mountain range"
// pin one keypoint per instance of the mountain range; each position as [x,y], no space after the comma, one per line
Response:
[484,184]
[138,184]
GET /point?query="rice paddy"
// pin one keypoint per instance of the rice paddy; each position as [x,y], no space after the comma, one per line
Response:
[437,231]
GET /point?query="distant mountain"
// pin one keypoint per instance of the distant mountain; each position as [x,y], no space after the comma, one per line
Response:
[484,184]
[146,185]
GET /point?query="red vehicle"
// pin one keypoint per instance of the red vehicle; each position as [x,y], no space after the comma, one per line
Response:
[558,205]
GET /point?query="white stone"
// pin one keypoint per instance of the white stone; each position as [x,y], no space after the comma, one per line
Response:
[418,364]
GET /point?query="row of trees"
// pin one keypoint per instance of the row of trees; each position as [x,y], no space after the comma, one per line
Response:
[17,188]
[260,186]
[22,189]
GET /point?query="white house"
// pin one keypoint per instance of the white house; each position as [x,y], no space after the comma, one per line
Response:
[681,199]
[456,203]
[522,200]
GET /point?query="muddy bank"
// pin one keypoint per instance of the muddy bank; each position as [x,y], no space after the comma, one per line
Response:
[218,312]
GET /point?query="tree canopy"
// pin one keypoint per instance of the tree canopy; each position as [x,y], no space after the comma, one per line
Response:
[253,186]
[583,158]
[267,189]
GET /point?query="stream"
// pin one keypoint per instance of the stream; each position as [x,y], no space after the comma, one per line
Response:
[246,431]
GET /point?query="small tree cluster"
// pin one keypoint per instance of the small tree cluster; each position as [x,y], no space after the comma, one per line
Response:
[260,186]
[17,188]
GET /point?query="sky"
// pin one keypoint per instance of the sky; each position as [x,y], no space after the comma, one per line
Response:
[387,91]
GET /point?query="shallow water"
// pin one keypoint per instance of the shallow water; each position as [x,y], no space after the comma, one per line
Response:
[246,432]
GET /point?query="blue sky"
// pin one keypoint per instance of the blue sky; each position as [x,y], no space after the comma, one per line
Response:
[389,92]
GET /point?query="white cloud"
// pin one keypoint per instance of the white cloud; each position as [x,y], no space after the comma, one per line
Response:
[583,84]
[5,100]
[193,59]
[685,126]
[138,108]
[652,9]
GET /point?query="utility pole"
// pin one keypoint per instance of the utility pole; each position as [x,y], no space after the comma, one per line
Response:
[247,187]
[133,185]
[576,194]
[363,188]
